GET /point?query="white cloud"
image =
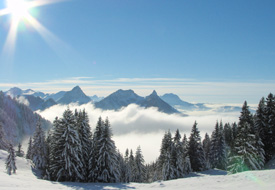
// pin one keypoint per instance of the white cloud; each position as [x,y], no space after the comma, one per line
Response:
[23,100]
[134,125]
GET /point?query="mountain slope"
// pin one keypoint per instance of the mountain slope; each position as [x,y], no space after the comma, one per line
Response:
[17,119]
[212,179]
[176,102]
[153,100]
[76,95]
[56,96]
[119,99]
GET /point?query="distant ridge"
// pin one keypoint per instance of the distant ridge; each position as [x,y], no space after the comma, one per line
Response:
[123,98]
[76,95]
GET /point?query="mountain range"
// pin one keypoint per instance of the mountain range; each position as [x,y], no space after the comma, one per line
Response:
[168,103]
[123,98]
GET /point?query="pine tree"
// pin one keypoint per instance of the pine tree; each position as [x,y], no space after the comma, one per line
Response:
[245,154]
[140,168]
[206,144]
[246,116]
[260,119]
[84,132]
[262,132]
[29,151]
[39,148]
[122,167]
[4,145]
[71,149]
[166,162]
[107,162]
[178,154]
[10,162]
[132,167]
[94,151]
[67,165]
[228,136]
[127,166]
[56,148]
[46,174]
[234,133]
[269,130]
[186,159]
[19,152]
[196,152]
[222,149]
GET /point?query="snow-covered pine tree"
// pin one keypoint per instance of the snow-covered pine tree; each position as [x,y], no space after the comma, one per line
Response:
[222,151]
[94,151]
[234,133]
[132,167]
[107,162]
[228,136]
[206,144]
[71,149]
[122,167]
[10,161]
[29,151]
[46,173]
[127,167]
[260,119]
[19,152]
[39,148]
[166,163]
[186,159]
[178,153]
[84,132]
[214,146]
[68,165]
[218,148]
[196,152]
[269,139]
[56,162]
[4,145]
[260,151]
[262,132]
[245,154]
[140,167]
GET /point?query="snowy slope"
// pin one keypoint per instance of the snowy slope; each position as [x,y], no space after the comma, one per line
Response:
[211,179]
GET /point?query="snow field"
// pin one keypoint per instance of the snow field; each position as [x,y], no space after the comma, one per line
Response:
[211,179]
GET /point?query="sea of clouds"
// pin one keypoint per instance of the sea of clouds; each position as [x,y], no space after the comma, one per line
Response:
[135,126]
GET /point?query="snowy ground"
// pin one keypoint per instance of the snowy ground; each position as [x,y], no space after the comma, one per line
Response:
[212,179]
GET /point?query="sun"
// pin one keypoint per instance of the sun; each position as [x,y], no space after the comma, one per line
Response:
[19,9]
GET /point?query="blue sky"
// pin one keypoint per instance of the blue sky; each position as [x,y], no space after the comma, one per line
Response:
[205,51]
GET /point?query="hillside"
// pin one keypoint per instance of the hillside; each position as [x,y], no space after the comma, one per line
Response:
[17,119]
[211,179]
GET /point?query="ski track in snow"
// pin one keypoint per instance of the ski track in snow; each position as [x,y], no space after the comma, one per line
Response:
[211,179]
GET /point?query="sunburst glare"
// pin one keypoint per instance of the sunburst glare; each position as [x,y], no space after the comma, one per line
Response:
[20,11]
[18,8]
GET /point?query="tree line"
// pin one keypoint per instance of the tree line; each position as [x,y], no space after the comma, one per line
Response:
[71,152]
